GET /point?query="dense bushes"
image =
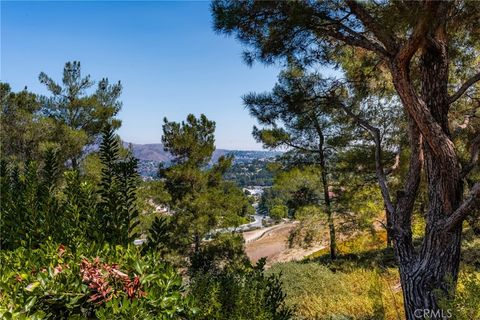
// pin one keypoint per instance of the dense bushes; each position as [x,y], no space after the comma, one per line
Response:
[114,282]
[104,282]
[240,293]
[67,246]
[40,202]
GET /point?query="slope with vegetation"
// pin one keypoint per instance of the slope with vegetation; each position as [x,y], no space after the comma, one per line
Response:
[381,165]
[407,90]
[68,222]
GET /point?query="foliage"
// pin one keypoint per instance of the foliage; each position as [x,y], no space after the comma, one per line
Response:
[29,207]
[299,187]
[247,174]
[311,227]
[428,54]
[225,250]
[278,212]
[39,203]
[466,303]
[72,106]
[190,142]
[94,282]
[153,200]
[201,199]
[159,235]
[118,212]
[239,293]
[26,133]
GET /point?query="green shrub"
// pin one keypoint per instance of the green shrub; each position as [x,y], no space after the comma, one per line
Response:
[239,294]
[278,211]
[108,282]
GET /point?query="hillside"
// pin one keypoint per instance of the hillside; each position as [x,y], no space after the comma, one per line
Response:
[150,155]
[155,152]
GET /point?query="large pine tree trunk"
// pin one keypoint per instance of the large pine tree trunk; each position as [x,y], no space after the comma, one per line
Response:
[431,271]
[432,275]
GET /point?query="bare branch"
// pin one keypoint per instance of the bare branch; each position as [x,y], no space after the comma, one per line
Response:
[355,39]
[381,177]
[339,31]
[466,121]
[469,205]
[470,82]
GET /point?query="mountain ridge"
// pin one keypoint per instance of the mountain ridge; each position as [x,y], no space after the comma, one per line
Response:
[155,152]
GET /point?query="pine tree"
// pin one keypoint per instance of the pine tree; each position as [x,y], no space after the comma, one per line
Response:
[425,52]
[72,106]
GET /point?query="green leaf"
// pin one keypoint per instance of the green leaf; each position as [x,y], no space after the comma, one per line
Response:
[30,303]
[32,286]
[138,267]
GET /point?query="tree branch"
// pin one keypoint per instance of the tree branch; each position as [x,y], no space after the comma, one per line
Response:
[406,197]
[355,39]
[378,31]
[432,132]
[381,177]
[402,217]
[471,81]
[417,37]
[474,155]
[339,31]
[469,205]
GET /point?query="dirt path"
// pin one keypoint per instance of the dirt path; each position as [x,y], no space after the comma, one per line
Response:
[258,233]
[272,243]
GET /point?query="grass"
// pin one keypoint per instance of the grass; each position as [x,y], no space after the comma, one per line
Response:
[365,250]
[363,283]
[317,292]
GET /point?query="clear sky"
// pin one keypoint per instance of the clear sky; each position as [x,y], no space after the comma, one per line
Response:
[166,54]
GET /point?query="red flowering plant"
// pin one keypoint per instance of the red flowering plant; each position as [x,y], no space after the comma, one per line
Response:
[93,282]
[107,281]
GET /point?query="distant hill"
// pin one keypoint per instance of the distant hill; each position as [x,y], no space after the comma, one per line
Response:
[150,152]
[150,155]
[155,152]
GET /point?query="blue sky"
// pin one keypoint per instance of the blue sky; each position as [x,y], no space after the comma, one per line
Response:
[166,54]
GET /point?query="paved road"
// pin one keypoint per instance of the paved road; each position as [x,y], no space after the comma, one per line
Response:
[257,223]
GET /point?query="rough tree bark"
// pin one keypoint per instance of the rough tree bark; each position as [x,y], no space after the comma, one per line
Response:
[433,268]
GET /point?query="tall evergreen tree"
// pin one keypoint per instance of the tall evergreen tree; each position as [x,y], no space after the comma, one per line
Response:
[72,105]
[293,118]
[414,46]
[201,200]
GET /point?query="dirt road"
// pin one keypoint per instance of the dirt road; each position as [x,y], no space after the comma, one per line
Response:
[272,243]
